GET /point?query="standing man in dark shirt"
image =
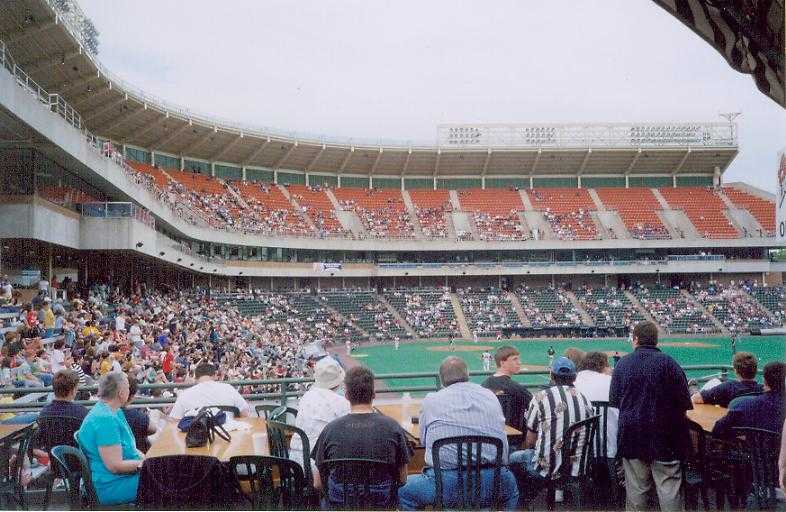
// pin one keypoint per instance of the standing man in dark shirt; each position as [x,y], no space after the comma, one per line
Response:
[745,366]
[651,392]
[363,434]
[765,411]
[513,397]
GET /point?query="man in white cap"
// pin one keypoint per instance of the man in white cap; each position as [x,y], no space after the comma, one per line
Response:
[320,405]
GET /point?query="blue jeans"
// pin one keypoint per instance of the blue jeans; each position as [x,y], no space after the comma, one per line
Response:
[46,378]
[420,490]
[524,467]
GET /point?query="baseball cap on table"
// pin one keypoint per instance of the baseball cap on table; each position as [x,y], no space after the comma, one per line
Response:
[328,374]
[563,366]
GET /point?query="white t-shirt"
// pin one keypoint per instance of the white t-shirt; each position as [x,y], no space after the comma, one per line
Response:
[135,333]
[120,323]
[595,386]
[57,359]
[317,408]
[207,393]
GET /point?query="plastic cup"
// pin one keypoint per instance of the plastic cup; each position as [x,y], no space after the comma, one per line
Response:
[260,443]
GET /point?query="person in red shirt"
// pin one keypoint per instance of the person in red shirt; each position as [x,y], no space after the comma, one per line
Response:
[168,363]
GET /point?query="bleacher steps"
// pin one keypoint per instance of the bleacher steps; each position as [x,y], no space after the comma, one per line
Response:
[413,214]
[535,219]
[596,199]
[348,219]
[302,211]
[524,224]
[234,193]
[744,221]
[690,298]
[454,200]
[458,312]
[462,221]
[600,227]
[644,312]
[673,233]
[525,200]
[400,319]
[516,303]
[611,220]
[196,215]
[585,317]
[662,200]
[680,221]
[450,226]
[344,318]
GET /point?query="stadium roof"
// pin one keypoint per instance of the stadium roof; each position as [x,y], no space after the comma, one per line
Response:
[51,41]
[748,33]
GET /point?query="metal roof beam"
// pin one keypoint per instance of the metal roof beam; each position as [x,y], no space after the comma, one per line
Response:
[256,152]
[584,161]
[345,161]
[198,143]
[682,161]
[103,109]
[376,162]
[633,162]
[155,124]
[316,157]
[221,152]
[277,165]
[17,36]
[172,136]
[121,119]
[486,162]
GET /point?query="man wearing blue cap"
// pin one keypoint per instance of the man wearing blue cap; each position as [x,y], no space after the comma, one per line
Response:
[550,413]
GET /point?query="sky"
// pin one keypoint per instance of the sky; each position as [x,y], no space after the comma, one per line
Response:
[396,69]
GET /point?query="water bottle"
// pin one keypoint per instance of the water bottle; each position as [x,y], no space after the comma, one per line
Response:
[406,411]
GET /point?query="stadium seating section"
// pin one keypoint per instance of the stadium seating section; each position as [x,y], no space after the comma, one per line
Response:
[363,308]
[735,309]
[608,307]
[674,312]
[773,298]
[761,209]
[495,213]
[637,207]
[548,307]
[487,310]
[704,208]
[567,210]
[429,311]
[431,207]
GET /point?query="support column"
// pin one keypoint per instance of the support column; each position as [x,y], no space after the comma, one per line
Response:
[674,180]
[243,174]
[213,169]
[182,163]
[483,182]
[579,180]
[627,181]
[370,181]
[531,182]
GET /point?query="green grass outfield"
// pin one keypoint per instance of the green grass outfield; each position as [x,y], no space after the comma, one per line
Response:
[422,356]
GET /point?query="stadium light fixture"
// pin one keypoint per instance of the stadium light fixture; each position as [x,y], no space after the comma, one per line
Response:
[139,244]
[161,253]
[179,260]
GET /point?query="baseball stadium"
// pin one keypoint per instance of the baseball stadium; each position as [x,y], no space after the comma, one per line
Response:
[568,315]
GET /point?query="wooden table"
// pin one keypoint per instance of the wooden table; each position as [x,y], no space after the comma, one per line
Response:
[7,430]
[172,441]
[404,418]
[706,415]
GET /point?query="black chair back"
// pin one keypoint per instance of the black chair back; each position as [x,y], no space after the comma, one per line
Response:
[602,438]
[279,434]
[13,451]
[71,465]
[226,408]
[578,444]
[470,463]
[277,412]
[57,431]
[763,447]
[350,484]
[178,482]
[286,492]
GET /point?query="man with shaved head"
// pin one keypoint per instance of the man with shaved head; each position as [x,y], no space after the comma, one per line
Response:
[460,408]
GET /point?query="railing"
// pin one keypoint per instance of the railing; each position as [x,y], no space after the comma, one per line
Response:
[115,210]
[284,394]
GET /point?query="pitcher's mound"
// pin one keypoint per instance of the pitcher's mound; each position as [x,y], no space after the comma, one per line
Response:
[693,344]
[461,348]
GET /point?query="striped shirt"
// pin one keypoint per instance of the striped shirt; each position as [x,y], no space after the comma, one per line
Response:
[79,371]
[551,412]
[461,409]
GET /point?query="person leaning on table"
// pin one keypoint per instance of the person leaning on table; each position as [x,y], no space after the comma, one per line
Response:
[107,441]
